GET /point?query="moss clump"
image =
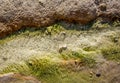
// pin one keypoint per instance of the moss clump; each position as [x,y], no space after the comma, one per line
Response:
[50,68]
[9,38]
[89,48]
[45,67]
[111,52]
[36,66]
[99,25]
[116,23]
[82,57]
[16,67]
[42,67]
[51,30]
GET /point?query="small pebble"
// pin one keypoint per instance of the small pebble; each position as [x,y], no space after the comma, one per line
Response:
[98,75]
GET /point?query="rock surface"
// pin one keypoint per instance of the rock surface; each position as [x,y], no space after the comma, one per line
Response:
[15,14]
[17,78]
[109,71]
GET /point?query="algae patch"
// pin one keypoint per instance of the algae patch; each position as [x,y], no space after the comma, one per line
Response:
[60,53]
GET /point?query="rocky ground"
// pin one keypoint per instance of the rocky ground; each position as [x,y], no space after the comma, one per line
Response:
[62,53]
[85,50]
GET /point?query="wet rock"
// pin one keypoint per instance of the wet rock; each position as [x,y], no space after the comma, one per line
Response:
[17,78]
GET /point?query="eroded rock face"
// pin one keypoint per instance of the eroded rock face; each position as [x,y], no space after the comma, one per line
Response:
[17,78]
[15,14]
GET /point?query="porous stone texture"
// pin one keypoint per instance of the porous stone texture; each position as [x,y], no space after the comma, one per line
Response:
[17,78]
[16,14]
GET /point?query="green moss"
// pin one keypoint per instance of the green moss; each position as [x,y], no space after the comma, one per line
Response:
[42,67]
[111,52]
[5,40]
[116,23]
[17,68]
[47,69]
[71,77]
[51,30]
[82,57]
[89,48]
[99,25]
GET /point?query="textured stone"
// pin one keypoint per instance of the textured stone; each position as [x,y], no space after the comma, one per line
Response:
[15,14]
[17,78]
